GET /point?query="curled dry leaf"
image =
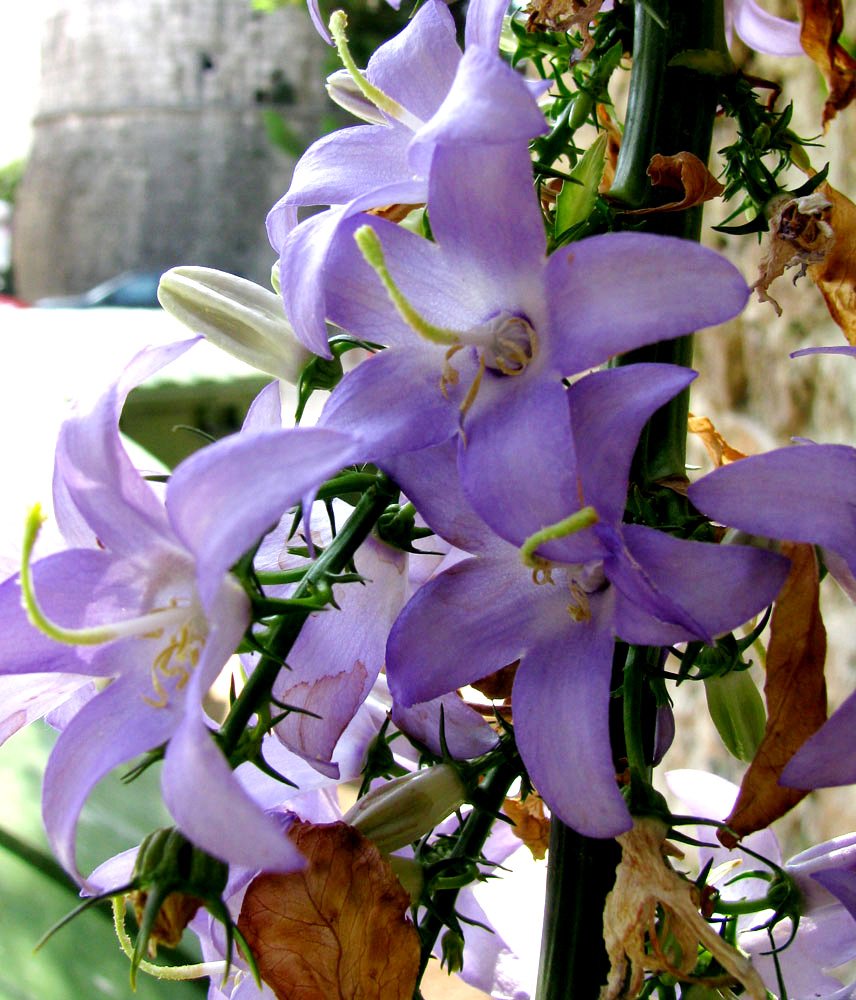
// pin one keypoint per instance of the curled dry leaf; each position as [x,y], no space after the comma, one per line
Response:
[835,274]
[683,172]
[338,929]
[613,146]
[800,234]
[564,15]
[644,884]
[530,823]
[717,447]
[795,691]
[822,22]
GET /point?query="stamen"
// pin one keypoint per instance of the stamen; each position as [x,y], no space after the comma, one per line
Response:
[382,101]
[579,608]
[177,659]
[93,635]
[450,373]
[371,249]
[514,358]
[584,518]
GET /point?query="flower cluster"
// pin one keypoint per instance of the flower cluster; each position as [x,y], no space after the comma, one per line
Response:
[463,580]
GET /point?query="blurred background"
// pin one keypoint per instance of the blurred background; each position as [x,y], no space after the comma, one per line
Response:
[137,135]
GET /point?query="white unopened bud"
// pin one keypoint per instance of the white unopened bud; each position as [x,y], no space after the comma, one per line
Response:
[405,809]
[236,315]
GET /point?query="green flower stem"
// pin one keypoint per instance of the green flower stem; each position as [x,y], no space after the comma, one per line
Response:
[670,110]
[281,638]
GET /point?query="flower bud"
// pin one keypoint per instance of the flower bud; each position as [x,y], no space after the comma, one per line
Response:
[236,315]
[405,809]
[172,880]
[452,946]
[738,712]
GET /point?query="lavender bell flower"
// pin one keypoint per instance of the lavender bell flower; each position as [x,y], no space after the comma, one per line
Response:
[481,326]
[135,605]
[606,579]
[825,876]
[428,92]
[805,493]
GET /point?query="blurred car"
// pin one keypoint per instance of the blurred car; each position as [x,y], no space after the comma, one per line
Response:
[130,290]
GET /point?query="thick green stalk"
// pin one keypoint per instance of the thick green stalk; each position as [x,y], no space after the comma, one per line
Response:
[670,110]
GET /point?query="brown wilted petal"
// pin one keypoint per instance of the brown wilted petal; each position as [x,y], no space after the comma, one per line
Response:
[822,22]
[795,691]
[636,940]
[613,146]
[800,234]
[530,823]
[684,172]
[835,275]
[717,447]
[564,15]
[338,928]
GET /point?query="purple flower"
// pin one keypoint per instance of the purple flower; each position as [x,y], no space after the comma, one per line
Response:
[825,876]
[474,98]
[481,326]
[605,580]
[805,493]
[761,30]
[144,602]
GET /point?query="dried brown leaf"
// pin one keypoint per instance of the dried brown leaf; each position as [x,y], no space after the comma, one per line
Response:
[717,447]
[564,15]
[800,235]
[684,172]
[796,696]
[530,823]
[835,275]
[337,930]
[822,22]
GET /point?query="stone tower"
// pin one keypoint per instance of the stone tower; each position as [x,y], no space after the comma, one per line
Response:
[150,147]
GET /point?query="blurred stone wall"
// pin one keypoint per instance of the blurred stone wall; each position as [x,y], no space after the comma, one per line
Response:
[150,148]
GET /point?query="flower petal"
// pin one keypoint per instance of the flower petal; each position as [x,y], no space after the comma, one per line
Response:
[461,626]
[660,288]
[717,586]
[608,410]
[516,461]
[804,493]
[225,497]
[393,403]
[212,809]
[828,758]
[109,730]
[765,32]
[117,503]
[417,66]
[560,704]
